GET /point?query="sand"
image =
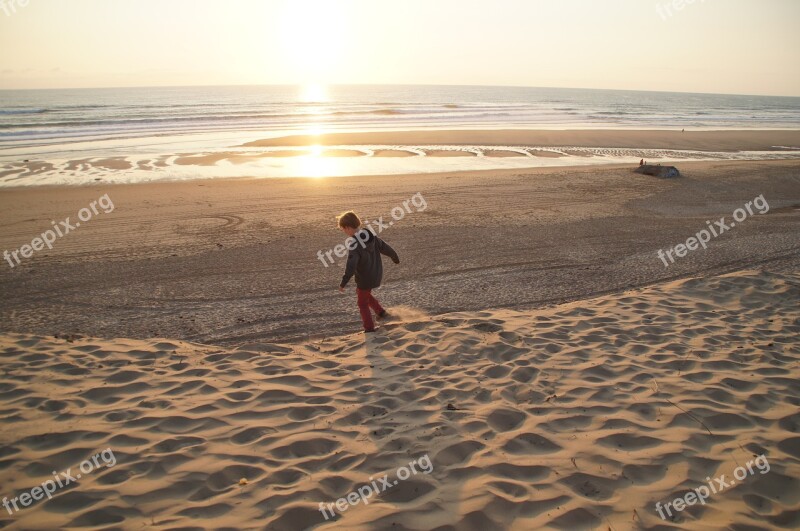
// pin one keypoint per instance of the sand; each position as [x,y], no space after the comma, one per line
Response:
[449,153]
[393,153]
[502,153]
[545,153]
[580,416]
[556,373]
[291,153]
[342,153]
[228,261]
[379,152]
[699,140]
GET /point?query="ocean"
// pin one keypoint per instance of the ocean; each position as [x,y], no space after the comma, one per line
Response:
[36,116]
[67,124]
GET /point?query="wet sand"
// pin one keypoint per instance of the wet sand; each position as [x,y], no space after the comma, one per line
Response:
[693,140]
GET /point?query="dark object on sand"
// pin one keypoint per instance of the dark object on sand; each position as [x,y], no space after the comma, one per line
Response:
[659,171]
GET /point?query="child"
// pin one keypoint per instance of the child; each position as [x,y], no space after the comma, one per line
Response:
[364,250]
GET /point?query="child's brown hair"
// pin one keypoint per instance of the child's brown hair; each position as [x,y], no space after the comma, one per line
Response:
[348,219]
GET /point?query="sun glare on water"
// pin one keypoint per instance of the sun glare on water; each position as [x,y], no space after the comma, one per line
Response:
[315,41]
[315,163]
[313,93]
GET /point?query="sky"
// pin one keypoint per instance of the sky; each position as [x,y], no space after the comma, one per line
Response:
[714,46]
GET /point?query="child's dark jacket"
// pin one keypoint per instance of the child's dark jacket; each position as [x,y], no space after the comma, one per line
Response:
[365,260]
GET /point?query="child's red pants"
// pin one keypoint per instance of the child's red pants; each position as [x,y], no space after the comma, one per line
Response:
[365,302]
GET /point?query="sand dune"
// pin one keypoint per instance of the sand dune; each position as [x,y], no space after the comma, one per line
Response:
[581,416]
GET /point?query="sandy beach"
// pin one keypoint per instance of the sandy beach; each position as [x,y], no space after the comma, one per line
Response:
[400,153]
[430,266]
[581,416]
[556,372]
[228,261]
[612,138]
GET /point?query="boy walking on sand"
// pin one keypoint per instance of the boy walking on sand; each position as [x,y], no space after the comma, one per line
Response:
[364,250]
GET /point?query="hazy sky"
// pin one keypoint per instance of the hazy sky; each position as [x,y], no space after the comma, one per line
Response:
[726,46]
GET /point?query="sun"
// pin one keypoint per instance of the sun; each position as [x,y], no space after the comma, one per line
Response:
[313,93]
[313,38]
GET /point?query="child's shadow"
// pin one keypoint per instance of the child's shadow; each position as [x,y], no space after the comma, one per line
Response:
[407,422]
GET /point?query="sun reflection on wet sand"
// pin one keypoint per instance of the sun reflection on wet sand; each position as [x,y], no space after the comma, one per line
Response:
[315,163]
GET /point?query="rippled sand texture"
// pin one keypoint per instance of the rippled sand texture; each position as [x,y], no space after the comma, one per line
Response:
[577,417]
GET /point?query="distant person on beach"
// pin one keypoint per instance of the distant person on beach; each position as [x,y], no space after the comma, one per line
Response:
[364,250]
[641,162]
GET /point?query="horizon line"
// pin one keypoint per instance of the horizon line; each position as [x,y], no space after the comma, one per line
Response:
[394,85]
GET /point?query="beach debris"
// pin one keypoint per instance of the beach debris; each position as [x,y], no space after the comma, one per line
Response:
[243,482]
[690,416]
[668,172]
